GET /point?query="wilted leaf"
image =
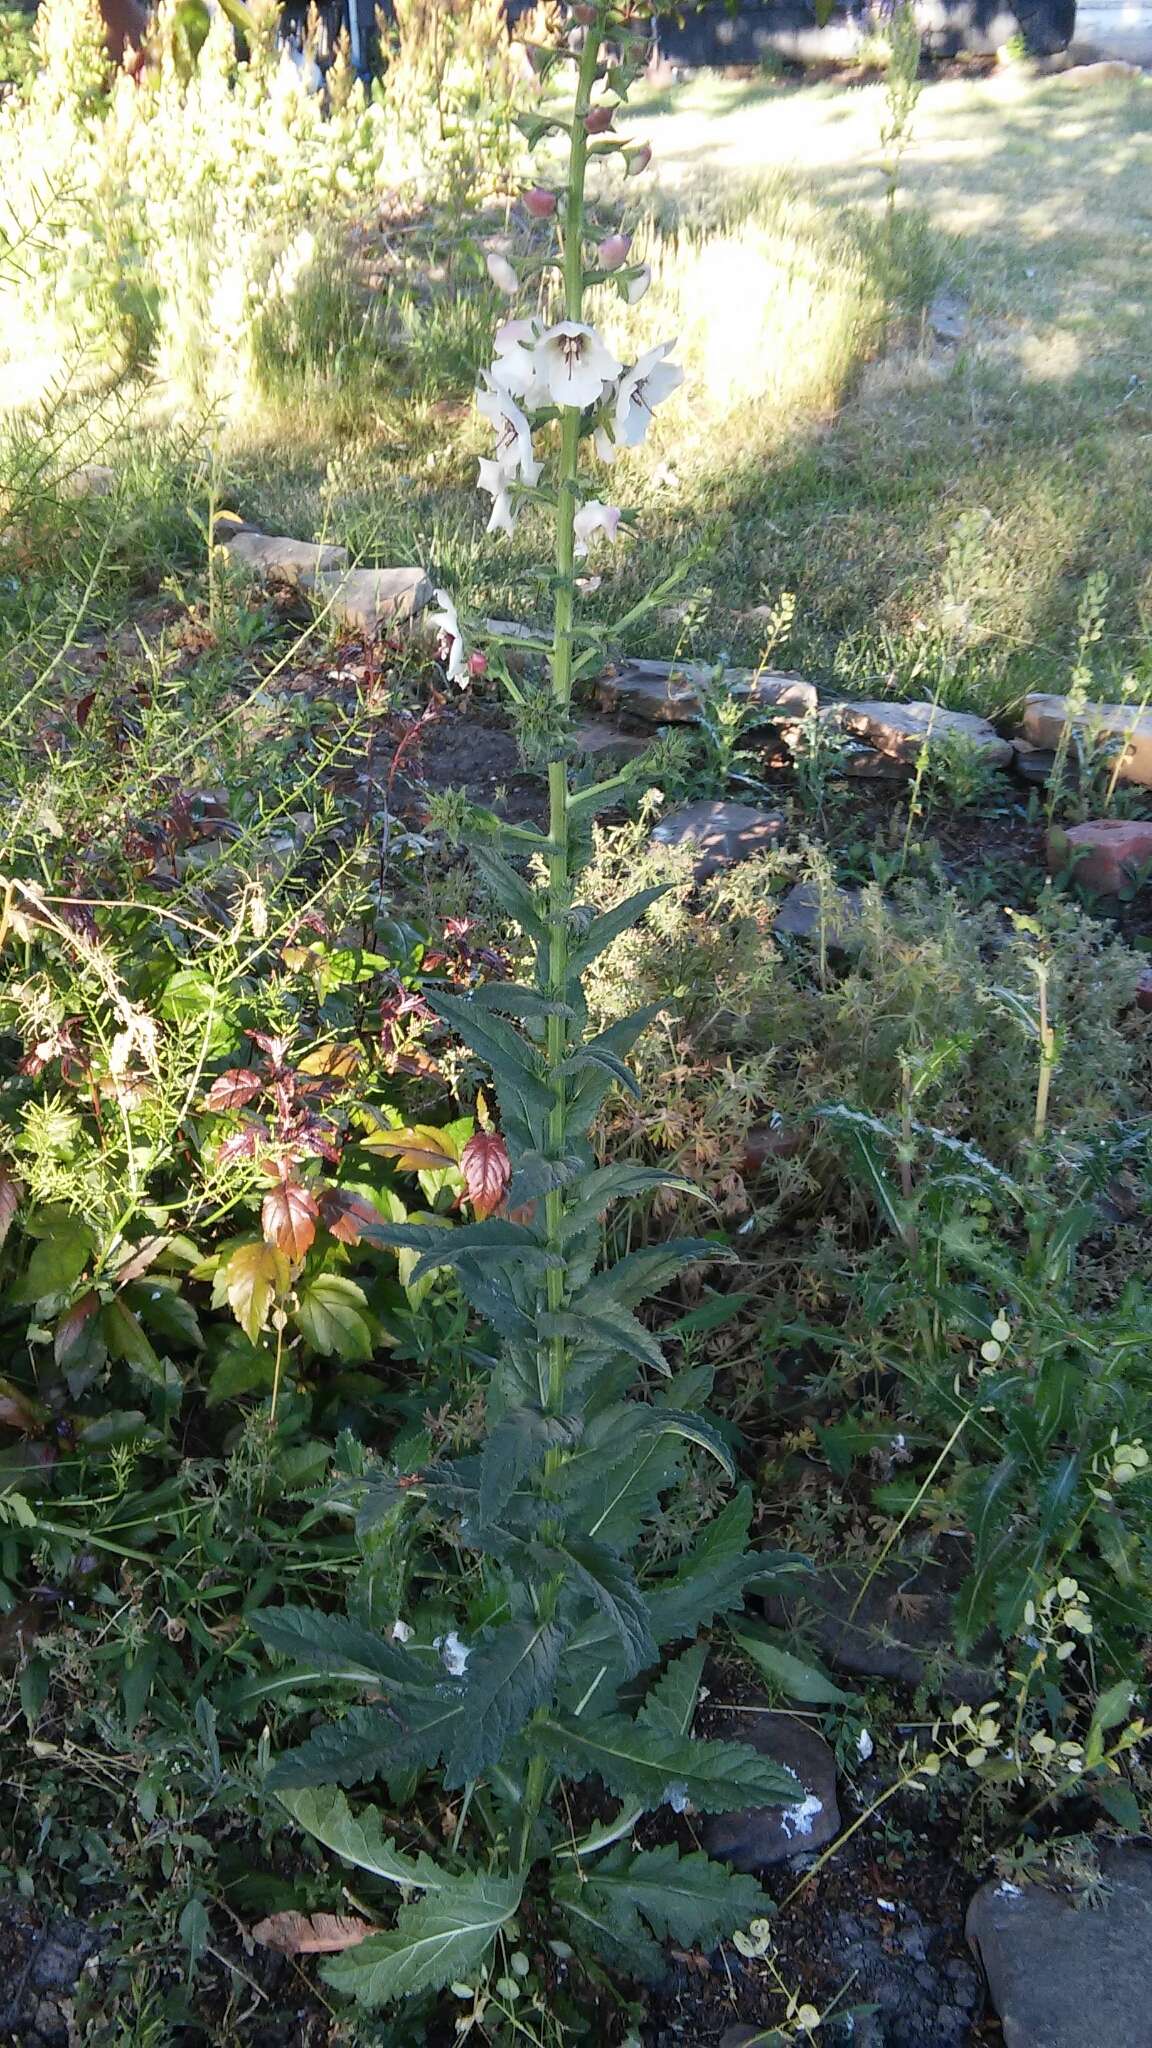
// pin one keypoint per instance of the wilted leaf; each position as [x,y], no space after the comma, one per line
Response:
[234,1089]
[487,1170]
[311,1934]
[249,1282]
[289,1217]
[414,1147]
[11,1196]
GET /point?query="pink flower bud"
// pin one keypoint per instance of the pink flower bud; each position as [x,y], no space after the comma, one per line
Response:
[584,14]
[597,119]
[637,160]
[613,251]
[477,664]
[540,202]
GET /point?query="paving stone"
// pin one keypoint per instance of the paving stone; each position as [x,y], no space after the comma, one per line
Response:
[762,1835]
[366,599]
[900,730]
[869,764]
[897,1627]
[606,745]
[724,834]
[667,693]
[1068,1977]
[1033,765]
[1106,855]
[806,908]
[948,315]
[274,558]
[1046,716]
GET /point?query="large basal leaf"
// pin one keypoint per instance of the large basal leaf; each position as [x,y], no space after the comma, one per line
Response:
[506,1680]
[604,1921]
[360,1839]
[656,1768]
[412,1732]
[330,1643]
[687,1899]
[437,1941]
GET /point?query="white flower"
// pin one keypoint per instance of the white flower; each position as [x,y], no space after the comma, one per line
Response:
[517,368]
[575,363]
[448,626]
[495,481]
[402,1631]
[513,434]
[595,518]
[502,274]
[646,385]
[638,284]
[454,1654]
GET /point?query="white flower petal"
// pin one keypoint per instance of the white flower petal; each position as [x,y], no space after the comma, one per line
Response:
[447,625]
[594,517]
[402,1631]
[575,363]
[513,433]
[646,385]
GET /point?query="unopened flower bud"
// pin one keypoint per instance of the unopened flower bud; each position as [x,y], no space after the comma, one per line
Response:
[502,274]
[613,251]
[637,160]
[597,119]
[477,664]
[540,202]
[584,14]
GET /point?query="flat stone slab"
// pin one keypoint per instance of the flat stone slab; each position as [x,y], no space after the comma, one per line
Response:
[1107,855]
[759,1836]
[807,908]
[1045,718]
[366,599]
[274,558]
[722,833]
[669,693]
[1067,1977]
[605,744]
[896,1627]
[901,730]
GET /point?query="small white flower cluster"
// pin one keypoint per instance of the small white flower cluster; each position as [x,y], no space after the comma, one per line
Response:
[568,365]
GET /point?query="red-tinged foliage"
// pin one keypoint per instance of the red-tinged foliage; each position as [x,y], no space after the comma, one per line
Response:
[289,1216]
[348,1216]
[234,1089]
[487,1170]
[11,1196]
[72,1325]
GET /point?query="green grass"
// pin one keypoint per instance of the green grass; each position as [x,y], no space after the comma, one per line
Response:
[15,44]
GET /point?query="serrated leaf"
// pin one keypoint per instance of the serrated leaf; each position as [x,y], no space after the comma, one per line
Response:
[288,1217]
[250,1280]
[614,1330]
[442,1938]
[360,1839]
[511,999]
[234,1089]
[332,1313]
[689,1899]
[515,1445]
[595,1192]
[694,1430]
[331,1643]
[670,1704]
[496,1241]
[597,1572]
[507,1678]
[645,1271]
[617,1935]
[167,1312]
[413,1731]
[655,1767]
[513,896]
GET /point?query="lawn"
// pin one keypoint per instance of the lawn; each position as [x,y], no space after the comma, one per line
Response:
[461,1438]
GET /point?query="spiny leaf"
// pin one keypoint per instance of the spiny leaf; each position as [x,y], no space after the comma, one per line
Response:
[507,1678]
[610,924]
[689,1899]
[440,1939]
[496,1241]
[595,1192]
[333,1644]
[412,1732]
[652,1766]
[360,1838]
[670,1704]
[605,1922]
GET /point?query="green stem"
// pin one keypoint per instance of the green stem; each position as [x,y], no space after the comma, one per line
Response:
[552,1366]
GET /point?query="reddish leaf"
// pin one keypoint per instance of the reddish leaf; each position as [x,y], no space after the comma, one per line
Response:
[289,1216]
[140,1258]
[232,1090]
[11,1196]
[487,1170]
[19,1411]
[241,1145]
[349,1217]
[72,1324]
[311,1934]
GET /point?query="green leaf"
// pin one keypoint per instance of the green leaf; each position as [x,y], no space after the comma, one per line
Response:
[495,1241]
[610,924]
[596,1571]
[442,1938]
[126,1340]
[513,896]
[790,1674]
[694,1430]
[507,1678]
[670,1704]
[614,1330]
[512,999]
[655,1767]
[332,1313]
[516,1445]
[414,1730]
[136,1679]
[55,1265]
[593,1193]
[164,1310]
[689,1899]
[645,1271]
[329,1643]
[240,1369]
[360,1838]
[1120,1802]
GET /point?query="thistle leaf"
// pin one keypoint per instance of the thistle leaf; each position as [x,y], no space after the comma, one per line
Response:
[360,1838]
[441,1938]
[610,924]
[653,1767]
[594,1570]
[514,897]
[371,1742]
[687,1899]
[516,1445]
[671,1702]
[508,1677]
[341,1648]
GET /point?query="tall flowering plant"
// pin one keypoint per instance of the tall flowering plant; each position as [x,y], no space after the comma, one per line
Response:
[565,1646]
